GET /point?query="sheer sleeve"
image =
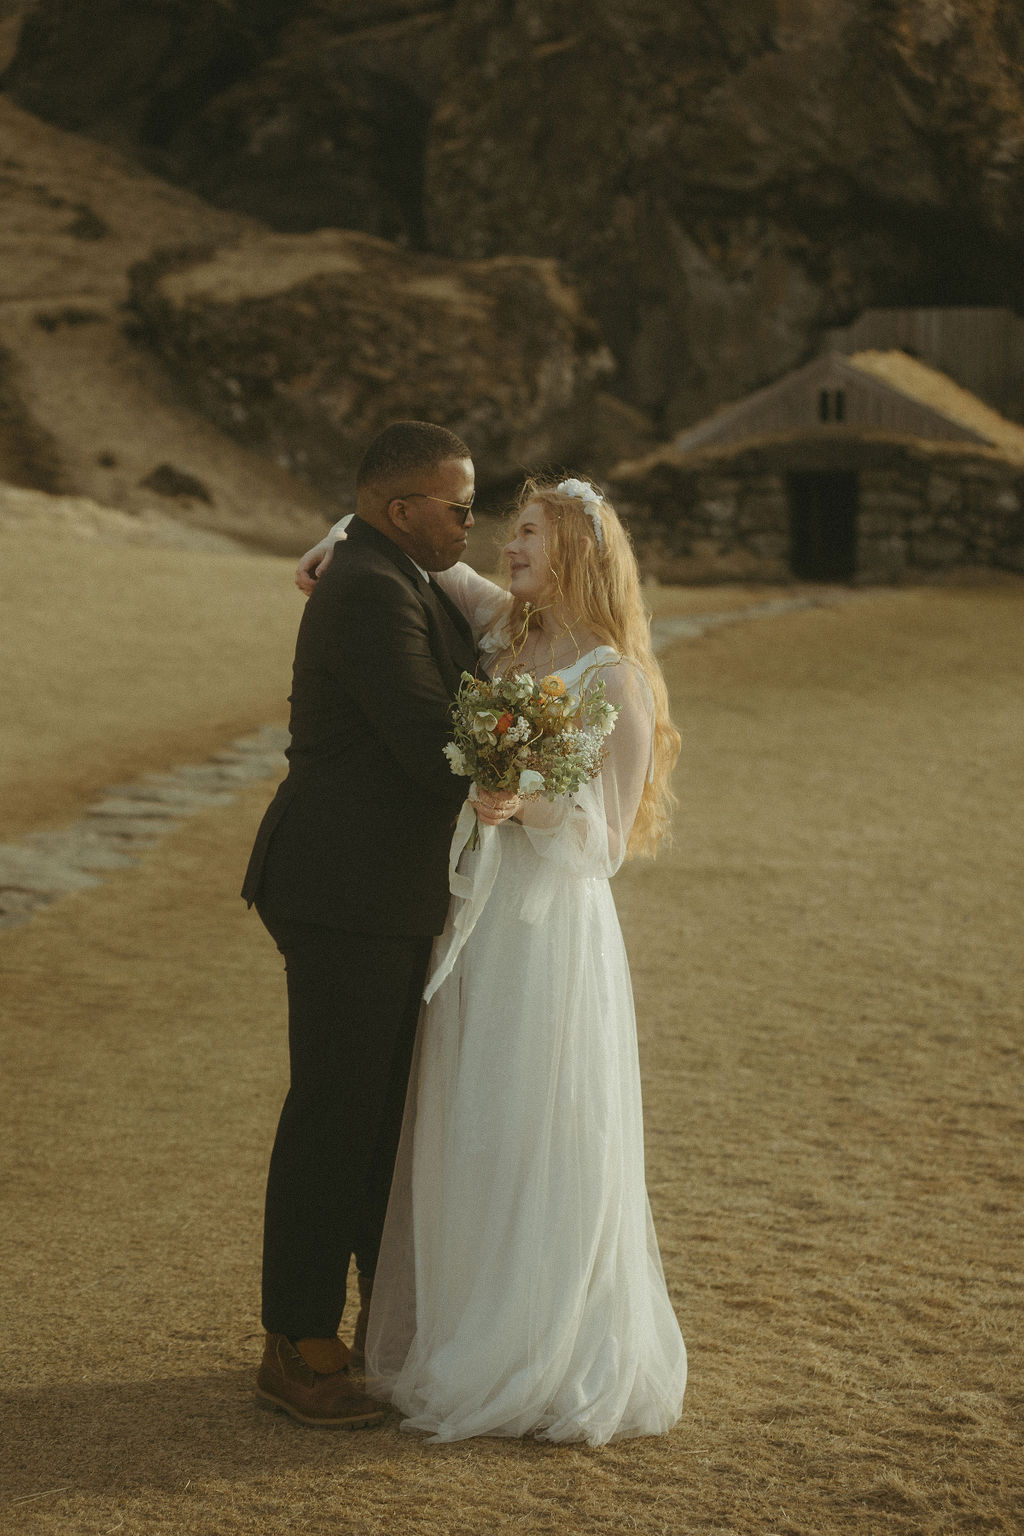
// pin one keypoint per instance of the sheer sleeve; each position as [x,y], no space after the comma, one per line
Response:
[587,833]
[483,602]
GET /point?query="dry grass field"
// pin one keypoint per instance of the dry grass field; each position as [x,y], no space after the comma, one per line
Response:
[827,970]
[118,659]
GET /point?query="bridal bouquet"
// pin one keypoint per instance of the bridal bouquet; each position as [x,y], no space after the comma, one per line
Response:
[515,735]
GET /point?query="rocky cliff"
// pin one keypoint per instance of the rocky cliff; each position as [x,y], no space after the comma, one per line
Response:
[84,410]
[305,346]
[719,181]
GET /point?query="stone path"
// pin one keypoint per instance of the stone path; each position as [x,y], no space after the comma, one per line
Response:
[113,832]
[665,631]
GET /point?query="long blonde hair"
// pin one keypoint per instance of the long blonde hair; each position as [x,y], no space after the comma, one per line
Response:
[599,586]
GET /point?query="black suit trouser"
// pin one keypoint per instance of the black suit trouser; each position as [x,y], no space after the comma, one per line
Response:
[353,1006]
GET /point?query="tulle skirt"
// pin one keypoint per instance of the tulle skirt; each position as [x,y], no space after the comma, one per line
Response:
[519,1289]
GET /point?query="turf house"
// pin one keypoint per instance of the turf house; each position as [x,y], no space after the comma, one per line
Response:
[862,469]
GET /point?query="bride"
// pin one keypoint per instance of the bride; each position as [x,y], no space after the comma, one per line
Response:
[519,1288]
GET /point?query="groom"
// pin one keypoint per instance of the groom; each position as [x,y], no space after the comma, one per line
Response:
[349,874]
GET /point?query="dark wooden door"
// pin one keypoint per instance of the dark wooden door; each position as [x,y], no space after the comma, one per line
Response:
[823,525]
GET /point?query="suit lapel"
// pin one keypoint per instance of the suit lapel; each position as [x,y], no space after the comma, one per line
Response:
[455,614]
[451,623]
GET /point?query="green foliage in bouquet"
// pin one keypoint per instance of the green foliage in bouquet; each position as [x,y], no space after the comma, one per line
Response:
[517,735]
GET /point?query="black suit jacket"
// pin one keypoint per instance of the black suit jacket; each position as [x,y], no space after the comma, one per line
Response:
[358,833]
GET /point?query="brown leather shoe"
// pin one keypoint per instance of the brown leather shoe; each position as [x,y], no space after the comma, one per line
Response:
[286,1382]
[357,1354]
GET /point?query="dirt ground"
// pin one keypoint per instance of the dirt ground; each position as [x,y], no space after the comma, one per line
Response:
[827,971]
[119,659]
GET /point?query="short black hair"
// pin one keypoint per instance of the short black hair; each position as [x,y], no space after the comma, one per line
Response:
[405,446]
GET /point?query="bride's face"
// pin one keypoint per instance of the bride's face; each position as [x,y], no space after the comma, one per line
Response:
[529,564]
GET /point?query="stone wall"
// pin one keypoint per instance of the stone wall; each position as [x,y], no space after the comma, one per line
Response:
[924,509]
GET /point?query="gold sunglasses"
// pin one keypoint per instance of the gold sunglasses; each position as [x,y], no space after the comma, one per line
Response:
[460,506]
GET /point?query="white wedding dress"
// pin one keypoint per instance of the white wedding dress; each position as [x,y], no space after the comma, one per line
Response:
[519,1289]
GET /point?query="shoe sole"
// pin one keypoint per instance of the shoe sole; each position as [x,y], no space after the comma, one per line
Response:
[354,1421]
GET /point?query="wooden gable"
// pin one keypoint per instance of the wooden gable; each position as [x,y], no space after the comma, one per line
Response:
[830,393]
[981,348]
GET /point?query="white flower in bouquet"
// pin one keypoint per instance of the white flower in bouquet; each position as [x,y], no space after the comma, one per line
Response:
[530,782]
[604,717]
[456,758]
[484,726]
[520,731]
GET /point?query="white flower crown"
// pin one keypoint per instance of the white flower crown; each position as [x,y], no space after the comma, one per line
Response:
[591,500]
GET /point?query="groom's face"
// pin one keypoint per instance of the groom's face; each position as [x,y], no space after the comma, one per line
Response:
[434,514]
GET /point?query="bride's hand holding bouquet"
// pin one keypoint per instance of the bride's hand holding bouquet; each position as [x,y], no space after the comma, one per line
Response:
[492,809]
